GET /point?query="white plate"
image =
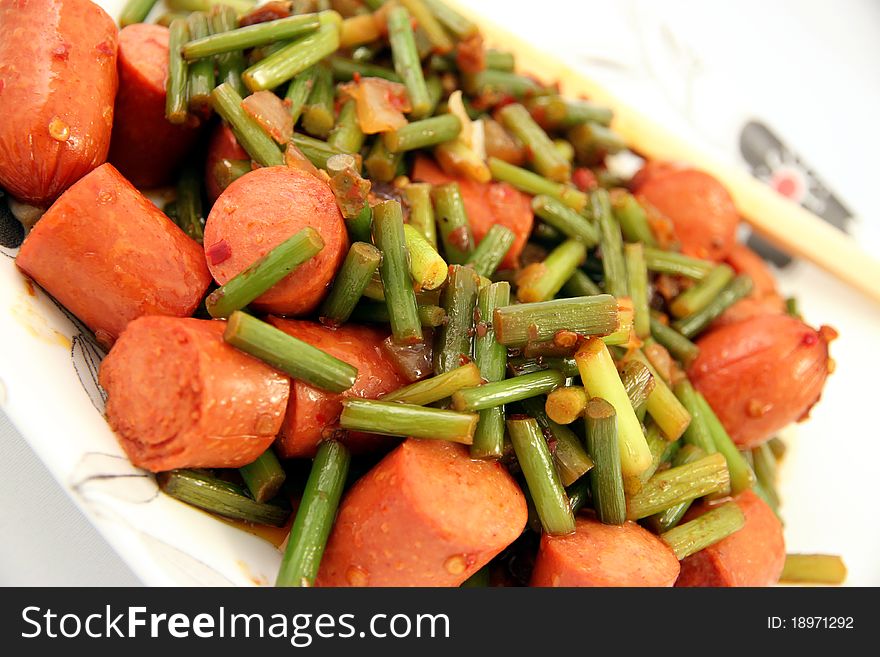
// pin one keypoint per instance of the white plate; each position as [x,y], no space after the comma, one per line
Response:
[48,389]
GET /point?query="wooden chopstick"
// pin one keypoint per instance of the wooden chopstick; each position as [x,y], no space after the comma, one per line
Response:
[785,223]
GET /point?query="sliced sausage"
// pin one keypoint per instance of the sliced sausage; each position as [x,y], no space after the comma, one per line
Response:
[426,515]
[262,209]
[761,374]
[486,204]
[57,84]
[178,396]
[222,146]
[311,410]
[763,300]
[146,148]
[752,556]
[109,255]
[604,555]
[699,207]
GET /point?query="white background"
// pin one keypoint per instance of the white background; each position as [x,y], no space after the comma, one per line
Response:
[810,70]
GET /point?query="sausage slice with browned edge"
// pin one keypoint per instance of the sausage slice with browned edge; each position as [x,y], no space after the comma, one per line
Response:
[145,147]
[761,374]
[262,209]
[604,555]
[311,410]
[109,255]
[426,515]
[57,84]
[752,556]
[178,396]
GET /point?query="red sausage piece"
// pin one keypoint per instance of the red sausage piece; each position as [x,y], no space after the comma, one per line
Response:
[109,255]
[144,146]
[179,397]
[223,146]
[699,207]
[426,515]
[761,374]
[311,410]
[262,209]
[486,204]
[604,555]
[753,556]
[57,83]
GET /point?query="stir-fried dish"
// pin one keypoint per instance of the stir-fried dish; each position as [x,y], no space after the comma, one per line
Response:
[407,304]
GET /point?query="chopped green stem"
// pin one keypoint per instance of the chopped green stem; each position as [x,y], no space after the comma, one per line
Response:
[519,365]
[663,405]
[239,6]
[221,497]
[739,288]
[507,391]
[546,159]
[662,451]
[226,172]
[542,480]
[632,218]
[497,84]
[348,286]
[677,264]
[317,151]
[428,23]
[176,98]
[565,405]
[189,203]
[531,183]
[491,250]
[765,472]
[606,478]
[777,447]
[679,484]
[592,141]
[676,344]
[346,135]
[592,315]
[318,114]
[500,60]
[611,242]
[428,391]
[315,516]
[585,111]
[452,220]
[421,212]
[741,475]
[264,477]
[601,379]
[388,235]
[813,569]
[298,91]
[200,73]
[578,494]
[423,134]
[708,529]
[296,57]
[377,312]
[380,163]
[637,279]
[258,278]
[459,298]
[697,297]
[569,455]
[135,11]
[290,355]
[639,384]
[406,60]
[557,214]
[491,358]
[254,140]
[697,433]
[427,268]
[396,419]
[260,34]
[580,285]
[541,281]
[346,69]
[666,520]
[460,26]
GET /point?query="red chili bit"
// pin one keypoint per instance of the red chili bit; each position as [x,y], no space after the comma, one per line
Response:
[219,252]
[463,359]
[584,179]
[482,329]
[356,76]
[460,238]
